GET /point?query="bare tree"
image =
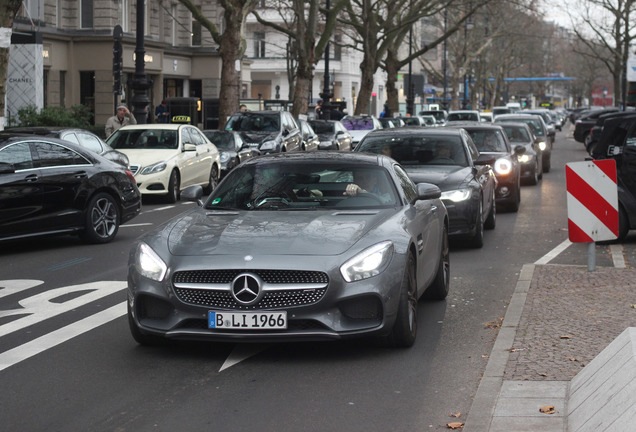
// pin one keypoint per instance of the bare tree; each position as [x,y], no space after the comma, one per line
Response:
[309,35]
[8,11]
[231,48]
[606,28]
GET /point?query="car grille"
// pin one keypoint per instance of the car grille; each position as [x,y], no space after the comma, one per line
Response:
[134,168]
[219,296]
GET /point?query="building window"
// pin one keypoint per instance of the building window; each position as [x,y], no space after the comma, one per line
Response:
[337,47]
[173,88]
[45,86]
[196,33]
[86,14]
[259,44]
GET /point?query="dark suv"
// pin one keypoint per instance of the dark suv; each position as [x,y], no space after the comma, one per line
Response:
[269,131]
[618,142]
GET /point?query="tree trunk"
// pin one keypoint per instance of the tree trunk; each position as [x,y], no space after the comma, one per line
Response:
[304,78]
[368,68]
[392,69]
[231,52]
[8,10]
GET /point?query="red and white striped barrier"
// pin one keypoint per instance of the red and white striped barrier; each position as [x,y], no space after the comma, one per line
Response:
[592,199]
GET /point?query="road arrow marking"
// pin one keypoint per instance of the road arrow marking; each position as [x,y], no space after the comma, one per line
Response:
[242,352]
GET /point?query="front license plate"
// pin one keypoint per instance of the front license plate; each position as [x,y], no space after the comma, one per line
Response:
[247,320]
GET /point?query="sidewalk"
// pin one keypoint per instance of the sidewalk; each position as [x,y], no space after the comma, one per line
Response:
[559,319]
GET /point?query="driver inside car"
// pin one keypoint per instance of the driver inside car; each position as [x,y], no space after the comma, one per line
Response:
[366,182]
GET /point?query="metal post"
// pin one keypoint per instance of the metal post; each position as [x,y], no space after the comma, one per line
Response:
[410,91]
[140,84]
[444,63]
[591,256]
[326,93]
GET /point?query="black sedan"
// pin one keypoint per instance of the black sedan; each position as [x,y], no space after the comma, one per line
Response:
[539,131]
[530,160]
[50,186]
[299,246]
[81,137]
[332,135]
[232,148]
[495,150]
[447,158]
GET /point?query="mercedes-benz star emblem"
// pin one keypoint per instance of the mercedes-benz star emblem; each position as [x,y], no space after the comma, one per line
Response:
[246,288]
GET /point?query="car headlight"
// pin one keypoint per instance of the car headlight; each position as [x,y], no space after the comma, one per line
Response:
[155,168]
[524,158]
[149,264]
[268,145]
[503,166]
[224,156]
[368,263]
[542,145]
[456,195]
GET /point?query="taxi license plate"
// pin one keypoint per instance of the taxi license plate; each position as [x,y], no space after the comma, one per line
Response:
[247,320]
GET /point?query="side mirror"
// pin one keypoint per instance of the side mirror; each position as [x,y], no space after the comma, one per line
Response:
[427,191]
[189,147]
[193,194]
[486,159]
[285,132]
[519,150]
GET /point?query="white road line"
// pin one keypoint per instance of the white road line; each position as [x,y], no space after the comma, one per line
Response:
[36,346]
[553,253]
[135,225]
[242,352]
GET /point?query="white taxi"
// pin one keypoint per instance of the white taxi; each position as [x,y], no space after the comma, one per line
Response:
[166,158]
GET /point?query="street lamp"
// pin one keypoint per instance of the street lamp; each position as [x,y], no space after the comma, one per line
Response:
[140,84]
[410,93]
[444,63]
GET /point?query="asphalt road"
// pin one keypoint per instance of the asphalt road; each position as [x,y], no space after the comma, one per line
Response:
[68,362]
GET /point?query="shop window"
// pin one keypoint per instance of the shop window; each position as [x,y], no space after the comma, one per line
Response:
[259,45]
[86,14]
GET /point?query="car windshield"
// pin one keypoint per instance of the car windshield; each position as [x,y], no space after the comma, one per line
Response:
[411,121]
[535,124]
[322,127]
[253,122]
[439,115]
[517,134]
[222,140]
[488,140]
[362,123]
[418,149]
[463,117]
[293,185]
[124,139]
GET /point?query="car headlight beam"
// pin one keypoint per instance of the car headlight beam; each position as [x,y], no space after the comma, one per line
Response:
[542,145]
[503,166]
[368,263]
[524,158]
[149,264]
[456,195]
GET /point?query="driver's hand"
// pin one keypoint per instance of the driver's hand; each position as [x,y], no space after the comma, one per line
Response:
[353,190]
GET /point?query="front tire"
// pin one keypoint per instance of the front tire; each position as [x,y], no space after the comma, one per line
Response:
[477,240]
[491,220]
[102,219]
[174,186]
[405,328]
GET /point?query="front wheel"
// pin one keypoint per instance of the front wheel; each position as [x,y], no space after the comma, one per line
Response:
[441,284]
[173,188]
[102,219]
[477,240]
[491,220]
[405,327]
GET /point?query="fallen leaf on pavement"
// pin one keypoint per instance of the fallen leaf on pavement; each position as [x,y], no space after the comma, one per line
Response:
[566,337]
[633,306]
[543,374]
[573,359]
[548,409]
[455,425]
[455,415]
[485,356]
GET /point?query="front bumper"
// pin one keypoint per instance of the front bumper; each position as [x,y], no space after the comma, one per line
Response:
[177,310]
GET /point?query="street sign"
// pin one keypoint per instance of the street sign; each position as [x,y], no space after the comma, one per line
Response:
[592,200]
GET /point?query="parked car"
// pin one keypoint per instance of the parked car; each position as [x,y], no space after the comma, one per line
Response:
[463,115]
[78,136]
[539,130]
[166,158]
[232,149]
[50,186]
[583,125]
[268,131]
[530,160]
[495,150]
[292,251]
[547,119]
[332,135]
[386,123]
[429,120]
[486,117]
[595,133]
[440,115]
[498,110]
[359,126]
[468,187]
[310,138]
[415,120]
[618,142]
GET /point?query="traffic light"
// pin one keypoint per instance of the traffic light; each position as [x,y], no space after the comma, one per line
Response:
[117,66]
